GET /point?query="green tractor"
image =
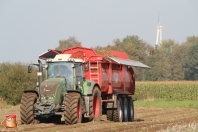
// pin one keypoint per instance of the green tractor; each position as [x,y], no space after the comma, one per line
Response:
[64,93]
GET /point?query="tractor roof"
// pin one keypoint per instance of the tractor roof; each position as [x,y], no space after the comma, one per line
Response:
[63,57]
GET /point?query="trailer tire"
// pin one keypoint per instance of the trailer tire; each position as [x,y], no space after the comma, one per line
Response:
[95,105]
[125,109]
[27,108]
[110,115]
[118,112]
[130,109]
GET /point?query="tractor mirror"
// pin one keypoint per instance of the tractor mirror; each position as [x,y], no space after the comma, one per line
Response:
[46,66]
[72,65]
[29,69]
[86,67]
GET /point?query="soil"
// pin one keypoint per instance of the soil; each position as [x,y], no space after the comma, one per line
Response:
[146,119]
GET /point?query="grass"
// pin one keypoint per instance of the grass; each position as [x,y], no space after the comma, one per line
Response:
[167,104]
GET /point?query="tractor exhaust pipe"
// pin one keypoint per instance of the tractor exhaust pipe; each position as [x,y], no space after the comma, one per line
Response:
[39,74]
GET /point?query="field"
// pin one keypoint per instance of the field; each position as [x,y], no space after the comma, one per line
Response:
[153,112]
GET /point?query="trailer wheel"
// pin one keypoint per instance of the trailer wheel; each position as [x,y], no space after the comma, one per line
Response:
[125,109]
[130,109]
[118,112]
[27,108]
[110,115]
[73,108]
[95,106]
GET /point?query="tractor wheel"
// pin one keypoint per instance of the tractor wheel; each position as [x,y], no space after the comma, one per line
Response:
[67,101]
[27,108]
[95,105]
[73,108]
[125,109]
[23,108]
[118,112]
[76,108]
[130,109]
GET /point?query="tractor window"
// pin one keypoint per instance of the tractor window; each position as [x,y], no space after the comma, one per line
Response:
[79,71]
[59,69]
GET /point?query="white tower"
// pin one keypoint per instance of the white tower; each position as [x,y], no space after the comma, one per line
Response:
[159,33]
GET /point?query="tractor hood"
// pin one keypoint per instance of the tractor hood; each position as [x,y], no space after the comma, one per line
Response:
[49,88]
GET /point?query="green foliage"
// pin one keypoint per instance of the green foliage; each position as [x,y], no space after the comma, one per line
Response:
[191,63]
[14,79]
[169,90]
[70,42]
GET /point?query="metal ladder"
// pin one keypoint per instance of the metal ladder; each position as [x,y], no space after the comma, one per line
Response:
[94,73]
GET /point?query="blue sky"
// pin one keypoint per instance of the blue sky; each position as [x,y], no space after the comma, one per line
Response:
[29,28]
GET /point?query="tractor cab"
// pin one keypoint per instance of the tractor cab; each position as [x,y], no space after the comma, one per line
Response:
[64,67]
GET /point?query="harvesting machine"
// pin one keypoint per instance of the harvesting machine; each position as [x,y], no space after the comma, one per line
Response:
[80,83]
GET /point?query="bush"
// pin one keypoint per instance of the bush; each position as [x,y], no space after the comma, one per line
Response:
[14,79]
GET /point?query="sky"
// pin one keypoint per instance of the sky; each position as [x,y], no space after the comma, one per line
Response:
[30,28]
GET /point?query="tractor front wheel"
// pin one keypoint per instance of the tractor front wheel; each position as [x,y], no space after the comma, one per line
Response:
[27,108]
[73,108]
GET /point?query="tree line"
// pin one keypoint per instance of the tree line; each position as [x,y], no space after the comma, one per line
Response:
[168,61]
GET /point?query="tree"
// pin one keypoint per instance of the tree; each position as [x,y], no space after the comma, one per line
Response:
[70,42]
[175,59]
[190,63]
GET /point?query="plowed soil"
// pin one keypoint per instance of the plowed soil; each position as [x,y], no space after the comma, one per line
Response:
[146,119]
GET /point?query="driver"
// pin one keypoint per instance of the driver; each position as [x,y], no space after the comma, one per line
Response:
[62,70]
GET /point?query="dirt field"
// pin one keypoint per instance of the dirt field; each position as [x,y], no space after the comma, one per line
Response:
[146,119]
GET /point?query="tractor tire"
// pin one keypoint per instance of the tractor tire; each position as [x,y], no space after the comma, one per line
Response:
[23,108]
[130,109]
[125,108]
[118,112]
[95,105]
[67,101]
[27,108]
[73,108]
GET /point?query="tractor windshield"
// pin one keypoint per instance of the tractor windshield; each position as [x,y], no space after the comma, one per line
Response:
[60,69]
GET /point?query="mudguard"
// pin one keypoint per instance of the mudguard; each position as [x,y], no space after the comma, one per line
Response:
[88,86]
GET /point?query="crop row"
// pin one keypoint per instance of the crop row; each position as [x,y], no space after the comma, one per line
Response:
[169,90]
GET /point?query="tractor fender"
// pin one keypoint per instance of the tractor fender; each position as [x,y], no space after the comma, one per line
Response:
[31,91]
[88,87]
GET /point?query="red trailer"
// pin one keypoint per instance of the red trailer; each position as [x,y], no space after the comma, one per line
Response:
[114,75]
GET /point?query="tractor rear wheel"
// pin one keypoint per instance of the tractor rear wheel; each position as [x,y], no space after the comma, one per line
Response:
[73,108]
[130,109]
[95,105]
[27,108]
